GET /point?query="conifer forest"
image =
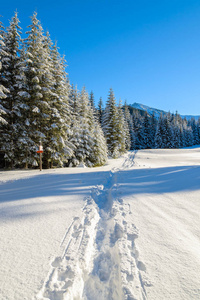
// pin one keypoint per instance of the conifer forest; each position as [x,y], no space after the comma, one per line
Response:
[38,104]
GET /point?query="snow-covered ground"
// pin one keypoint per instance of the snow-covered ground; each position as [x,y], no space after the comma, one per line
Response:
[128,230]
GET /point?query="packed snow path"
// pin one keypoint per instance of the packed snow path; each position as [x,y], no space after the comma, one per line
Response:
[98,255]
[129,230]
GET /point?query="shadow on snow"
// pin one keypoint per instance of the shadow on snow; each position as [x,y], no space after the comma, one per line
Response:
[131,182]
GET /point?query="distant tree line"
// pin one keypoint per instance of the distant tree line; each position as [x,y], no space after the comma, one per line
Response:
[168,131]
[38,104]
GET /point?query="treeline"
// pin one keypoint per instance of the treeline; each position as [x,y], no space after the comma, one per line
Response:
[38,104]
[169,131]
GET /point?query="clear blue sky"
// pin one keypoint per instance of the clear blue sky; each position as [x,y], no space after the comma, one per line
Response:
[147,51]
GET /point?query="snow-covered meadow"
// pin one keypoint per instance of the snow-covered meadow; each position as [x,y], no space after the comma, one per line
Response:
[128,230]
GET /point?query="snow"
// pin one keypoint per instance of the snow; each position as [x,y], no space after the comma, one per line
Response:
[128,230]
[149,110]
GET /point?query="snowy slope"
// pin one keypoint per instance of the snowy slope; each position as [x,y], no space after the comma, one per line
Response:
[149,110]
[157,112]
[129,230]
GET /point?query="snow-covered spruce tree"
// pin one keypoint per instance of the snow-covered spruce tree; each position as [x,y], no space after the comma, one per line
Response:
[98,155]
[194,127]
[100,151]
[128,118]
[100,110]
[153,125]
[87,137]
[24,141]
[183,128]
[3,90]
[75,128]
[123,132]
[91,99]
[92,104]
[182,137]
[168,133]
[137,121]
[43,119]
[164,134]
[110,125]
[158,136]
[12,79]
[188,135]
[81,131]
[56,144]
[127,127]
[146,142]
[176,131]
[32,95]
[74,103]
[132,134]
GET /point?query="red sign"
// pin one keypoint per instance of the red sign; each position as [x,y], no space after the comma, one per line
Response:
[40,149]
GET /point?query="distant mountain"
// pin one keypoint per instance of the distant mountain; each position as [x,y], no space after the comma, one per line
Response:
[150,110]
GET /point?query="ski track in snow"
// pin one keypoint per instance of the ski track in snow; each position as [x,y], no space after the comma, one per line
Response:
[98,257]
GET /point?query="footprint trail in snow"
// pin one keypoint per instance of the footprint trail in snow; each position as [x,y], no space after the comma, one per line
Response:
[98,256]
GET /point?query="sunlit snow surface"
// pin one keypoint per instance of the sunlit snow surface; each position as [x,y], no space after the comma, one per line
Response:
[128,230]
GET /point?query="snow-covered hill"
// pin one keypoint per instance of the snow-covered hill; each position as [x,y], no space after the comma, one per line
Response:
[148,109]
[128,230]
[157,112]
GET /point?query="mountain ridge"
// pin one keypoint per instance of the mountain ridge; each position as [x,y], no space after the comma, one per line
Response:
[157,112]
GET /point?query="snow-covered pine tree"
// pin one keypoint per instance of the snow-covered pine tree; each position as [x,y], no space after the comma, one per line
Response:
[82,138]
[74,97]
[92,104]
[167,133]
[183,130]
[12,80]
[110,125]
[188,135]
[91,99]
[129,121]
[176,131]
[37,94]
[182,136]
[23,138]
[57,145]
[128,129]
[153,126]
[3,90]
[159,132]
[195,131]
[164,134]
[87,137]
[146,133]
[123,132]
[100,151]
[100,110]
[32,95]
[137,120]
